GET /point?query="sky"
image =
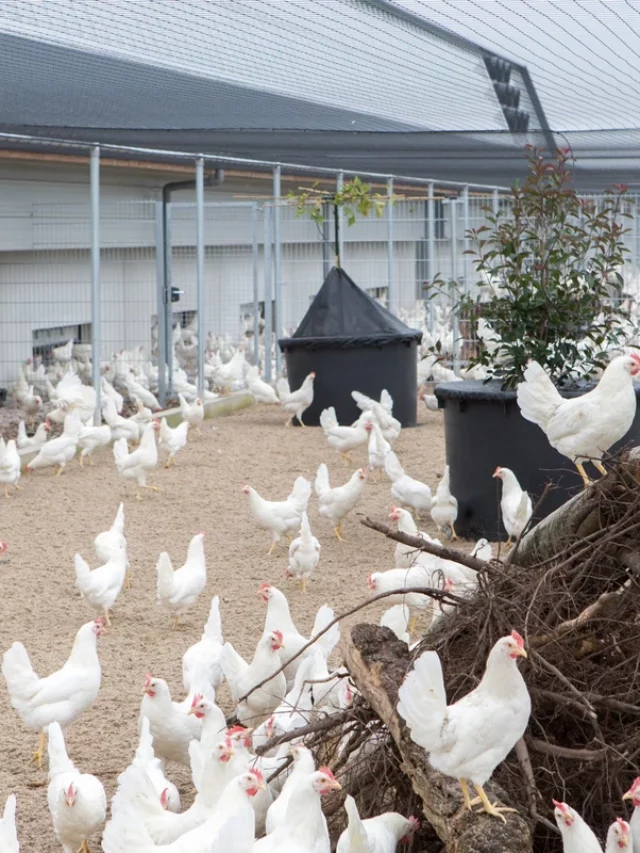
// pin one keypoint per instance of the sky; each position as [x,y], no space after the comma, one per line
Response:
[583,55]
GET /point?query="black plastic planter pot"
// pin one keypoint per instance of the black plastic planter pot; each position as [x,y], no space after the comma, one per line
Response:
[353,344]
[483,429]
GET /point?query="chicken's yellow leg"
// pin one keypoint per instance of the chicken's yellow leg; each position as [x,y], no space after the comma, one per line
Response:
[127,579]
[289,422]
[490,808]
[303,583]
[16,486]
[465,793]
[138,495]
[153,488]
[84,847]
[176,621]
[300,419]
[583,474]
[270,551]
[598,464]
[39,754]
[60,470]
[508,542]
[81,461]
[106,617]
[6,491]
[338,531]
[346,458]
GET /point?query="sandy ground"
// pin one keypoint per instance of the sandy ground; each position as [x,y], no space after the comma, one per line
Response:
[52,518]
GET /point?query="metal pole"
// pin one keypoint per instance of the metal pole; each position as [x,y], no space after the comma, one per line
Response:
[277,289]
[268,312]
[168,304]
[200,269]
[466,244]
[431,248]
[392,296]
[96,320]
[453,206]
[339,188]
[326,254]
[256,295]
[160,295]
[495,202]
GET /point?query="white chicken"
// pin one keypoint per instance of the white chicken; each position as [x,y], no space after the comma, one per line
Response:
[126,428]
[137,465]
[142,416]
[336,503]
[378,447]
[242,677]
[58,451]
[381,413]
[406,556]
[296,402]
[343,439]
[430,401]
[482,550]
[303,765]
[102,586]
[178,590]
[135,389]
[8,832]
[279,616]
[226,375]
[77,801]
[213,734]
[619,838]
[444,507]
[171,725]
[279,517]
[259,389]
[173,439]
[577,835]
[35,441]
[111,542]
[91,438]
[10,465]
[515,504]
[192,413]
[633,794]
[380,834]
[109,391]
[207,652]
[62,696]
[145,758]
[31,404]
[304,554]
[397,619]
[582,428]
[404,489]
[469,739]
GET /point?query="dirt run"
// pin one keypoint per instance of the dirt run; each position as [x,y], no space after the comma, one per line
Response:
[51,519]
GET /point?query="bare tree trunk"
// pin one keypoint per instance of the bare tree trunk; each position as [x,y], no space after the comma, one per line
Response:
[378,662]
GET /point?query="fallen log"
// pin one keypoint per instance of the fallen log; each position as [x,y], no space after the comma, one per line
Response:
[378,662]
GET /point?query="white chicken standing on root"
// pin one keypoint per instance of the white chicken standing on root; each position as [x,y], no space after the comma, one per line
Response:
[336,503]
[378,447]
[242,677]
[58,451]
[279,517]
[343,439]
[145,758]
[10,465]
[61,696]
[77,801]
[279,616]
[444,507]
[469,739]
[37,440]
[515,504]
[207,652]
[192,413]
[8,832]
[404,489]
[178,590]
[296,402]
[100,587]
[577,835]
[112,541]
[137,464]
[304,554]
[171,725]
[380,834]
[91,438]
[582,428]
[127,428]
[259,389]
[173,439]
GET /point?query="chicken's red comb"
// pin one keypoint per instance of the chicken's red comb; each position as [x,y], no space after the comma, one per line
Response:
[517,639]
[196,700]
[563,807]
[327,772]
[279,635]
[3,547]
[635,784]
[70,790]
[265,585]
[148,679]
[635,356]
[624,826]
[415,823]
[234,730]
[257,773]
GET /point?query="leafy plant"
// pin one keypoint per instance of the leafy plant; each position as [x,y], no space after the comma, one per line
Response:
[354,198]
[551,287]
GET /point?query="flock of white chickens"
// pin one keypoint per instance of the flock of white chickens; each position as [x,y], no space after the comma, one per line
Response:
[254,794]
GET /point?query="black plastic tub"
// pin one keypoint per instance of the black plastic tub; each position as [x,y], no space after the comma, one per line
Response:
[353,344]
[483,428]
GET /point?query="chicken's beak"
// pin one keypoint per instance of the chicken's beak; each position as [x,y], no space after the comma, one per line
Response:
[191,710]
[520,653]
[628,795]
[336,786]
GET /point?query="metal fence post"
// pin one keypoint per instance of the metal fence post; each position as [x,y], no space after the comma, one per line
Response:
[160,296]
[277,282]
[268,312]
[96,319]
[466,245]
[340,246]
[168,304]
[431,248]
[453,206]
[200,269]
[256,294]
[392,296]
[326,242]
[495,202]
